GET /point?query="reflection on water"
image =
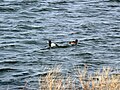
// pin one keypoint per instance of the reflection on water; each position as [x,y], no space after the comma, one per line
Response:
[27,25]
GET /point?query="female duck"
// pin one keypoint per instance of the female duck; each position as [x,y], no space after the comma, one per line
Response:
[74,42]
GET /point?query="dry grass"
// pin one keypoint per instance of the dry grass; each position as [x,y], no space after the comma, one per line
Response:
[100,80]
[54,80]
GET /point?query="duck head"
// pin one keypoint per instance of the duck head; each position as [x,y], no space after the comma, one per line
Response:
[74,42]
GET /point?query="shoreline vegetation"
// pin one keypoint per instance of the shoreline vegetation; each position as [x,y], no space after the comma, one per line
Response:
[99,80]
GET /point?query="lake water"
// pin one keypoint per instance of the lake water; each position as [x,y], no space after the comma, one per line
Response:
[27,25]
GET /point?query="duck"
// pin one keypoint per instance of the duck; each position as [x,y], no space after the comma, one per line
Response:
[74,42]
[52,45]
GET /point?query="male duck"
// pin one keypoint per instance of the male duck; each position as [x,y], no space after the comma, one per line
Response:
[74,42]
[52,45]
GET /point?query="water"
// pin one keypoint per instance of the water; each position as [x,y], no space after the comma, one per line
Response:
[26,26]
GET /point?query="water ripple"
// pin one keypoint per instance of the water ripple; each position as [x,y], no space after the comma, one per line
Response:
[6,69]
[27,25]
[8,9]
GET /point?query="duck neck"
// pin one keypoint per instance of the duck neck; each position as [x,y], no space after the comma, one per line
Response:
[49,43]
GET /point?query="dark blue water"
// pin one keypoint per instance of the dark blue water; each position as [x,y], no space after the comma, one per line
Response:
[27,25]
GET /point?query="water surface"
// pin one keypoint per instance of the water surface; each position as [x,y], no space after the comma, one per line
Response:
[27,25]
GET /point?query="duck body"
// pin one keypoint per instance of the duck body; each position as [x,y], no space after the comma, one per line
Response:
[52,45]
[55,45]
[73,42]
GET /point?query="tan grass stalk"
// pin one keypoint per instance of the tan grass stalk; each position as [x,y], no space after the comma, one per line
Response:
[97,81]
